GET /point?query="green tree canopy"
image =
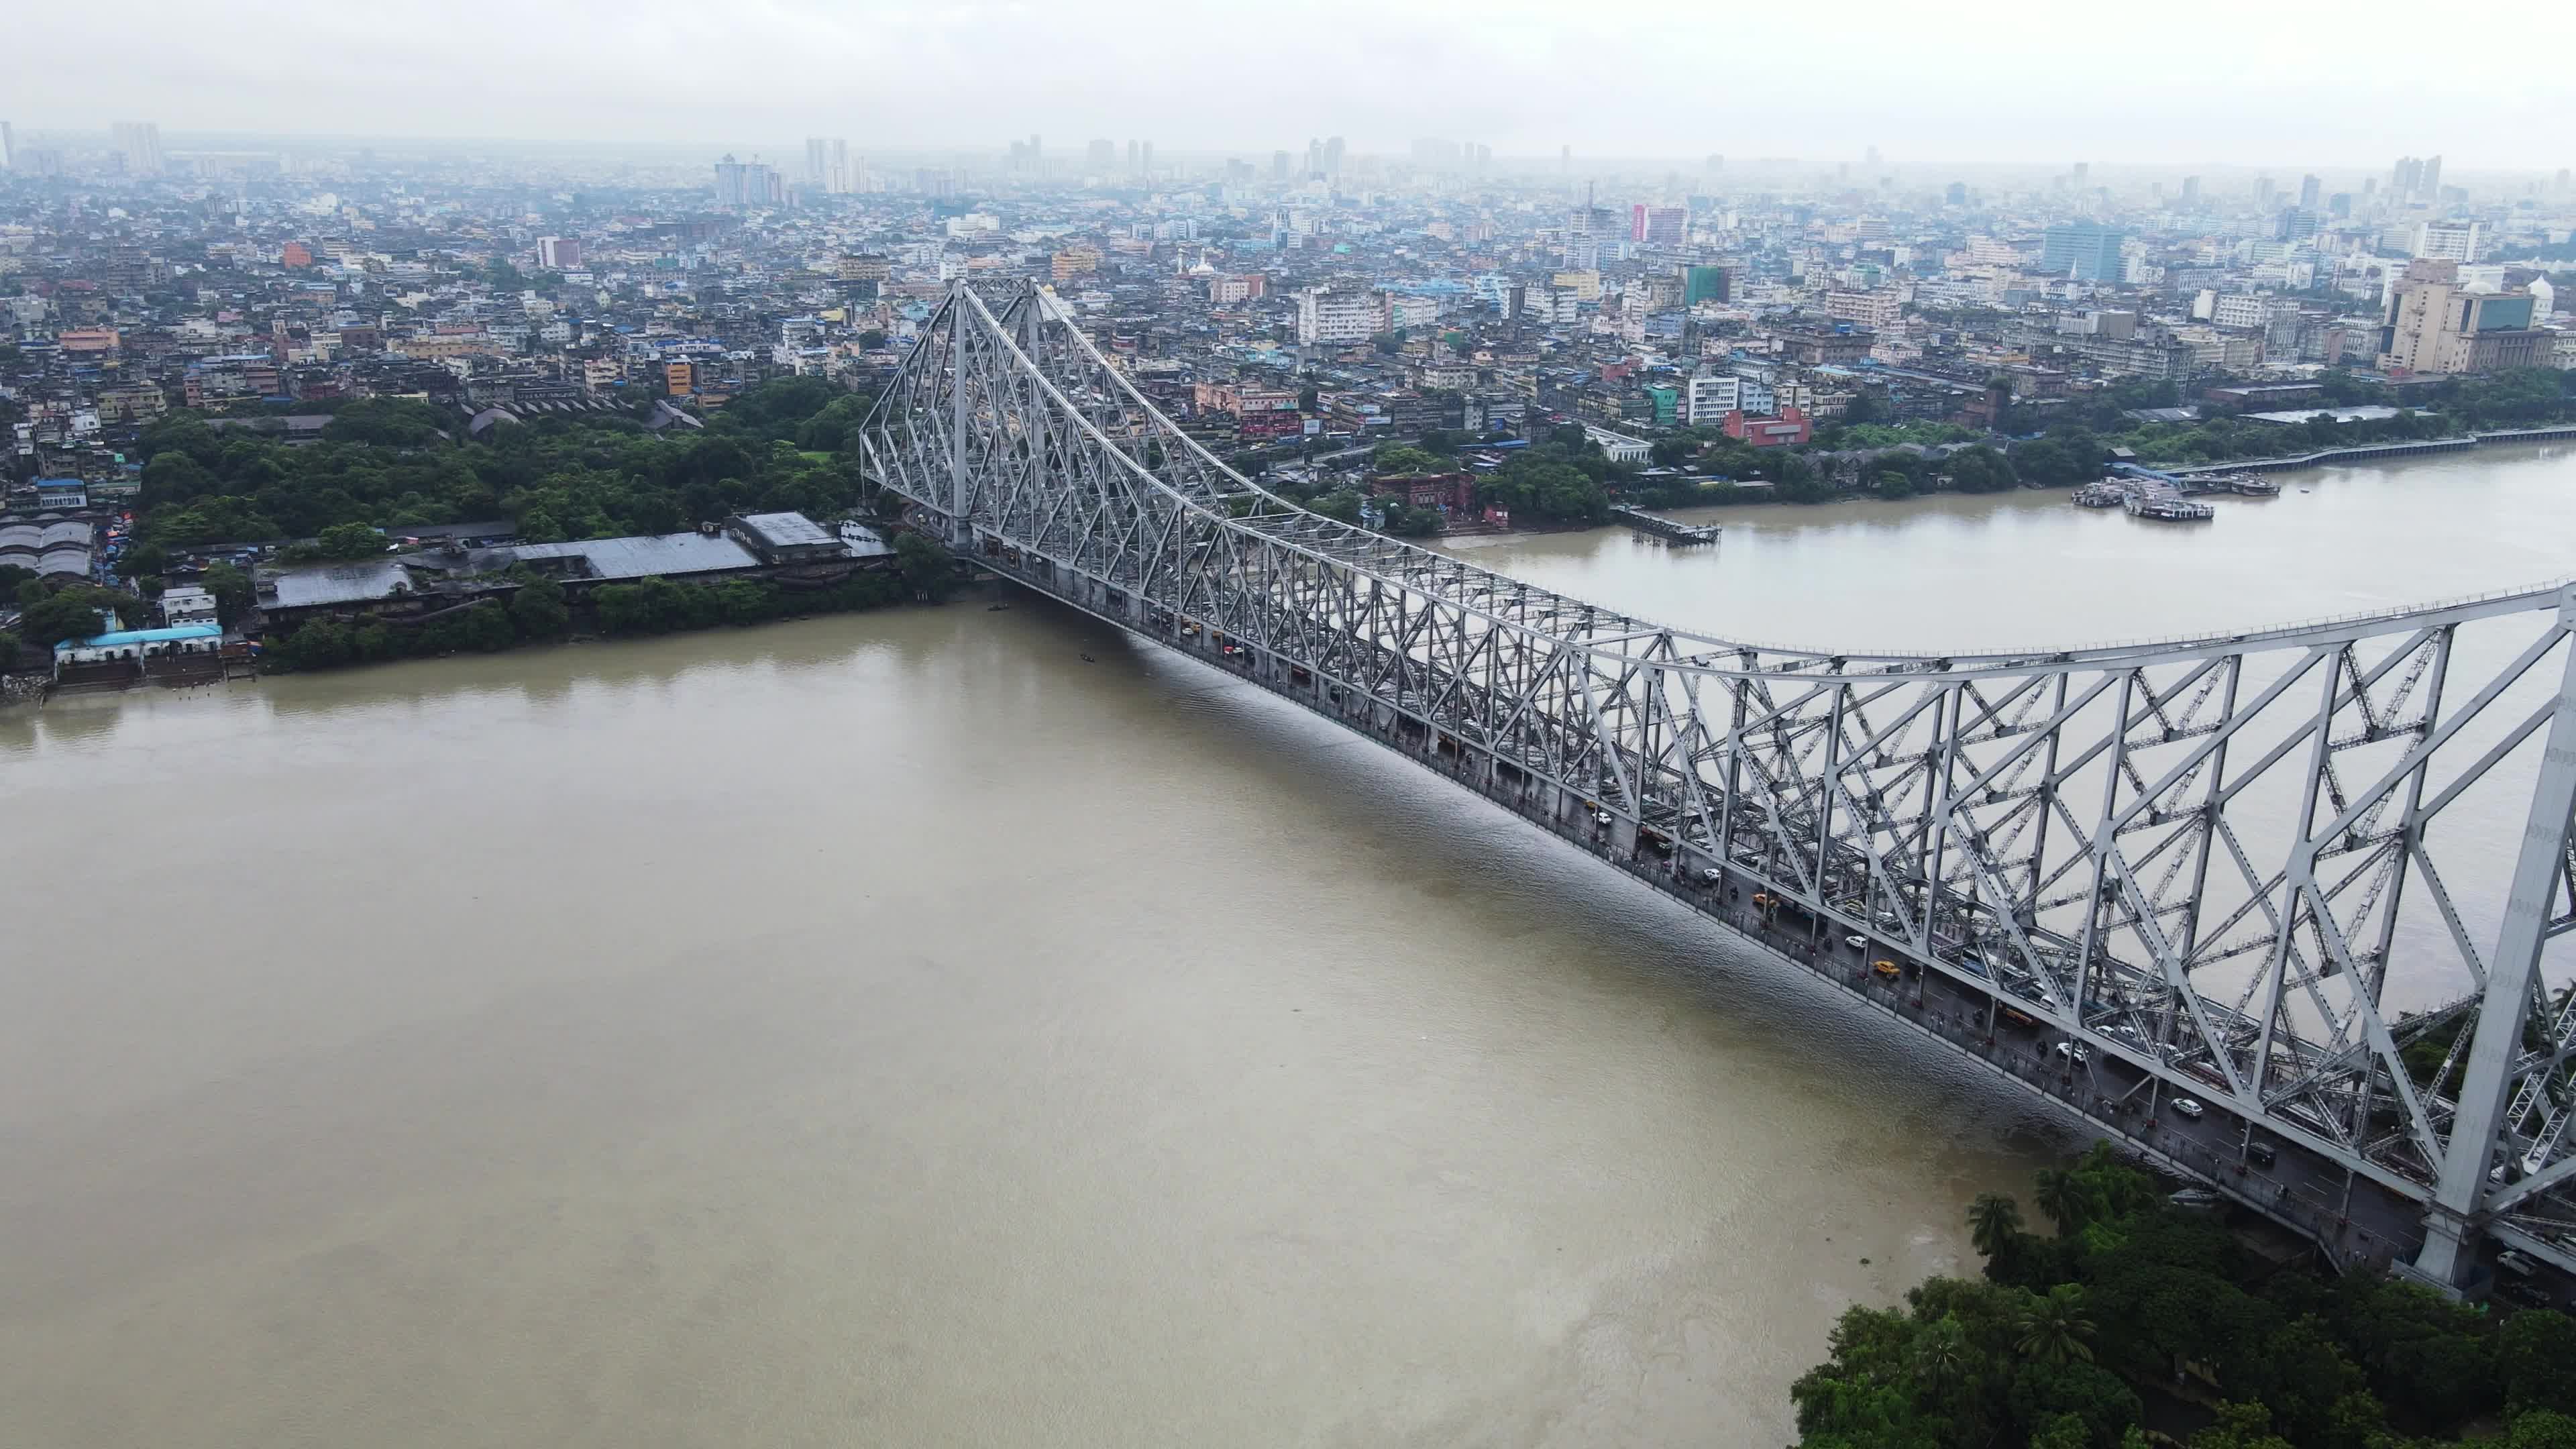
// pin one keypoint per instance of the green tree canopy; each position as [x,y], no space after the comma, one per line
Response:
[79,611]
[234,593]
[538,608]
[928,568]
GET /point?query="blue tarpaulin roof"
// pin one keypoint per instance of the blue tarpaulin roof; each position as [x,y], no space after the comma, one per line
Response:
[144,636]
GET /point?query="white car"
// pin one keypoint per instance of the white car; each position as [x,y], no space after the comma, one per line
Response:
[1711,875]
[2517,1262]
[2188,1107]
[2073,1051]
[1857,943]
[1600,817]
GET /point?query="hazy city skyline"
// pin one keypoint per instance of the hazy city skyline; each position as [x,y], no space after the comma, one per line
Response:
[2198,83]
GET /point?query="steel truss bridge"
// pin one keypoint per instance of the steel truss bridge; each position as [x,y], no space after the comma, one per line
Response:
[2307,876]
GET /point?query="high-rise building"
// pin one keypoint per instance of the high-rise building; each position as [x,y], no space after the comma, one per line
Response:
[2083,172]
[2264,192]
[558,253]
[2431,187]
[1279,165]
[141,143]
[2449,241]
[2085,250]
[1145,167]
[2433,325]
[1324,315]
[1102,155]
[1314,157]
[2311,188]
[749,183]
[1704,284]
[1586,228]
[9,152]
[1333,156]
[1710,398]
[2191,191]
[827,166]
[1955,194]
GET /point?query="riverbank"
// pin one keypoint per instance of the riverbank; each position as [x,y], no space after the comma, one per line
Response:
[2371,452]
[539,611]
[2026,569]
[2150,1310]
[1758,502]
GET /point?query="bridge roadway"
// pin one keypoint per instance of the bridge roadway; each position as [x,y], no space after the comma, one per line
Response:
[2354,1221]
[2030,831]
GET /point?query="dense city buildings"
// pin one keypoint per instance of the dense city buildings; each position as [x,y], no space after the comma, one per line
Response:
[2085,251]
[1663,330]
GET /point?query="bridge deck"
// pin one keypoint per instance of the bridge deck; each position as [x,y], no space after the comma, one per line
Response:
[2354,1221]
[2190,856]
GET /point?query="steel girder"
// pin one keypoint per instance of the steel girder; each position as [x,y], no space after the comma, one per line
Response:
[2277,870]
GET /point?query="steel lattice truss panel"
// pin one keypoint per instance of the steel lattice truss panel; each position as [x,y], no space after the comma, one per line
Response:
[2309,872]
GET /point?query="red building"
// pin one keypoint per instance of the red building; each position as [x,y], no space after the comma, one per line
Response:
[1453,491]
[1790,427]
[295,254]
[1269,425]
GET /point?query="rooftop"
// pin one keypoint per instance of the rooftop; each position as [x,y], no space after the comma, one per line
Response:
[863,541]
[345,583]
[648,555]
[784,530]
[119,637]
[2366,414]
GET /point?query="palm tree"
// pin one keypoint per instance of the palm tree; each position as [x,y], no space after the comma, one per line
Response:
[1993,1222]
[1941,1354]
[2054,1329]
[2064,1197]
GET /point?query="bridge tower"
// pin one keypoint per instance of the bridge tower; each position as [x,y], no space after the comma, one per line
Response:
[2457,1213]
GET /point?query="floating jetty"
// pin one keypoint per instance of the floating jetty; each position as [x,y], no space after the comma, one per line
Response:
[2146,493]
[2172,510]
[1670,530]
[2244,484]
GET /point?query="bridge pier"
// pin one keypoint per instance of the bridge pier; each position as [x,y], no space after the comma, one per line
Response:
[2449,1252]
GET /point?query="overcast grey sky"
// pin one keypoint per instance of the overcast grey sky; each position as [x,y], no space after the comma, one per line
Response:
[2185,81]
